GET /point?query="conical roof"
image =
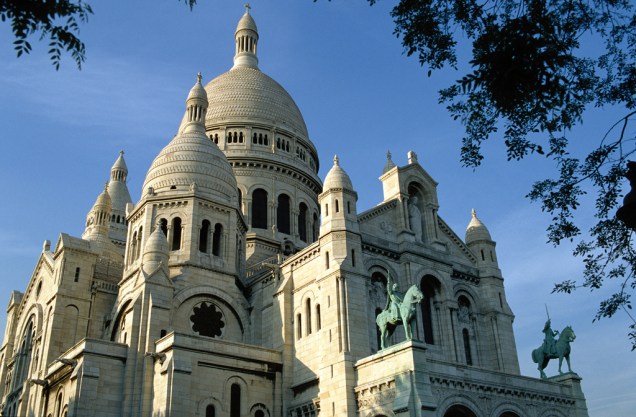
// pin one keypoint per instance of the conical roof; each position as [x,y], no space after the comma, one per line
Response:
[337,178]
[476,230]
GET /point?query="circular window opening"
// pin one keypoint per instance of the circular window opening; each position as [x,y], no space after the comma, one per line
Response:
[207,319]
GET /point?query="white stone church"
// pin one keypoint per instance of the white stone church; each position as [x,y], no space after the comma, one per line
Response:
[241,285]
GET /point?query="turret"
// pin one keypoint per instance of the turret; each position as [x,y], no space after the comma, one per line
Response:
[156,251]
[120,197]
[338,201]
[98,218]
[98,226]
[479,241]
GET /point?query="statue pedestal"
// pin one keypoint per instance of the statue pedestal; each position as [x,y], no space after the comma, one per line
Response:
[396,380]
[572,383]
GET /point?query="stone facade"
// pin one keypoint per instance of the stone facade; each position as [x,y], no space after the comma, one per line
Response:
[241,285]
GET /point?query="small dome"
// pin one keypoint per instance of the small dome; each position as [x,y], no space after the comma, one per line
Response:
[103,200]
[198,92]
[246,23]
[476,230]
[191,162]
[337,177]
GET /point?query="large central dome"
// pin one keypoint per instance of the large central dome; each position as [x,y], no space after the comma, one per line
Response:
[259,128]
[246,93]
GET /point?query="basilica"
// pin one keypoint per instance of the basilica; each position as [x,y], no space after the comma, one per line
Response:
[241,284]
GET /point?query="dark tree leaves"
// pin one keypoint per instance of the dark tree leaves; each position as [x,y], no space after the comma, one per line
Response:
[530,82]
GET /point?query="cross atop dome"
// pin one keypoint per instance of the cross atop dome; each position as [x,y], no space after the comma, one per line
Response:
[247,8]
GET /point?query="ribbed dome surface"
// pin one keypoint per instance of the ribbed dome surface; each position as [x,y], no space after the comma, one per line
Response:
[191,158]
[476,230]
[337,177]
[245,93]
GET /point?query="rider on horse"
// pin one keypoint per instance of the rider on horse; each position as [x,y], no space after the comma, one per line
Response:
[549,344]
[394,299]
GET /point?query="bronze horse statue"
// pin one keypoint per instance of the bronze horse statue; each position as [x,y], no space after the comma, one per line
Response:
[407,313]
[542,355]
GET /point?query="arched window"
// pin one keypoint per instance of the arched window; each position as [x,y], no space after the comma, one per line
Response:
[23,360]
[138,246]
[77,274]
[259,209]
[299,326]
[353,257]
[469,356]
[318,325]
[176,233]
[235,400]
[203,236]
[164,226]
[337,207]
[133,248]
[254,138]
[216,239]
[428,286]
[315,228]
[302,222]
[210,411]
[308,315]
[240,137]
[326,260]
[259,413]
[282,214]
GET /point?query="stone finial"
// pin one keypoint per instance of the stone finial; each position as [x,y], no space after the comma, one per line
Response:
[474,213]
[389,163]
[336,160]
[199,77]
[46,246]
[412,157]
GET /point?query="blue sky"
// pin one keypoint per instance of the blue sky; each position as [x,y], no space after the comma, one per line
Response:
[360,96]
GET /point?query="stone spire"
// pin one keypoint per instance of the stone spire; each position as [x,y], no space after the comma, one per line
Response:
[389,163]
[120,198]
[246,37]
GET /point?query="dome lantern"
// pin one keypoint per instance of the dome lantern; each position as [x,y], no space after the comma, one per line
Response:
[246,37]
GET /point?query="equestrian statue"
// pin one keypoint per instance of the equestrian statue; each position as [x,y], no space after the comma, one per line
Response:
[553,349]
[398,310]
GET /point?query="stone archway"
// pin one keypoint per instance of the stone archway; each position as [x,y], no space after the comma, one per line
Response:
[459,411]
